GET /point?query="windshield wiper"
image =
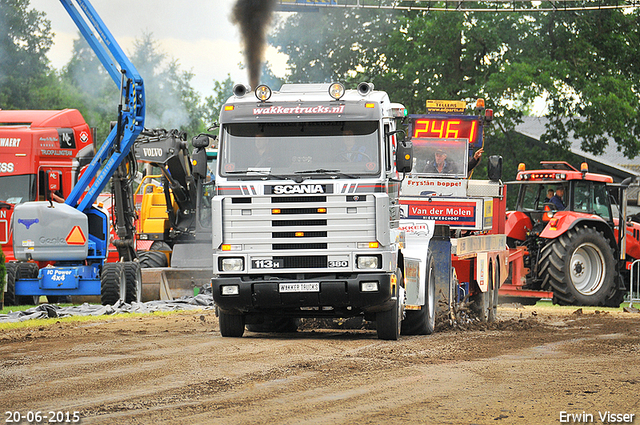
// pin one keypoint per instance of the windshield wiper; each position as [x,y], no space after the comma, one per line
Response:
[260,172]
[335,173]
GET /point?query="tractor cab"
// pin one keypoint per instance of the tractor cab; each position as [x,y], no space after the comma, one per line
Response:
[557,187]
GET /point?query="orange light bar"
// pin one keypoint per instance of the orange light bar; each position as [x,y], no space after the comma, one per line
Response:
[299,234]
[374,244]
[228,107]
[226,247]
[276,211]
[322,210]
[369,105]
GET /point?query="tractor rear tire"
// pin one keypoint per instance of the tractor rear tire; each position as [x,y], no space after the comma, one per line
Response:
[423,321]
[580,268]
[113,283]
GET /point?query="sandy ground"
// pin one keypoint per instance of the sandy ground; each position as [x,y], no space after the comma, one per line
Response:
[535,366]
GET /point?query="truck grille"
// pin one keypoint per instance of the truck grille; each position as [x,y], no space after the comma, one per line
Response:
[299,231]
[309,262]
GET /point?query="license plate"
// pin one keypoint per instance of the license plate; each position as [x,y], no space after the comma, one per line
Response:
[300,287]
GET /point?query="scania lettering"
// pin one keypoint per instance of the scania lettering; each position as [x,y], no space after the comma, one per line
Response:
[306,219]
[279,190]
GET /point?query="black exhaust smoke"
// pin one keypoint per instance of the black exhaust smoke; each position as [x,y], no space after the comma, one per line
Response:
[253,17]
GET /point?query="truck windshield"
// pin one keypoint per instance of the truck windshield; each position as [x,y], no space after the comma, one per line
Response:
[440,157]
[18,189]
[310,147]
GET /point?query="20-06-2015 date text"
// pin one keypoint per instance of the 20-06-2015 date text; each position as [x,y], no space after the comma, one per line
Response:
[38,417]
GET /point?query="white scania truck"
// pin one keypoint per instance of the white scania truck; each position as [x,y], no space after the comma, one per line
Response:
[307,215]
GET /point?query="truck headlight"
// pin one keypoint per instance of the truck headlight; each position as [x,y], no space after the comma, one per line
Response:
[232,264]
[230,289]
[369,287]
[367,262]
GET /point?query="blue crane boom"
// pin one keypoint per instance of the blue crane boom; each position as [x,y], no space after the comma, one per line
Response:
[131,112]
[72,239]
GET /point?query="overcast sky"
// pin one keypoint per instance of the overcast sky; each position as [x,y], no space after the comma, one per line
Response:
[198,33]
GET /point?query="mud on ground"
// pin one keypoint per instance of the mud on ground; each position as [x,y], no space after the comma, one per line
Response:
[529,368]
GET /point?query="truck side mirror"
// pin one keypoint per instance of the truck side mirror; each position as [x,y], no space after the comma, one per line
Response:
[200,141]
[404,154]
[494,169]
[199,162]
[52,184]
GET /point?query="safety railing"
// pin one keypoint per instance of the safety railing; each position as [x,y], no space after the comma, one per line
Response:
[634,285]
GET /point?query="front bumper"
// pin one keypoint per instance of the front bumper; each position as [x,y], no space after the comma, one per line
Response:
[338,296]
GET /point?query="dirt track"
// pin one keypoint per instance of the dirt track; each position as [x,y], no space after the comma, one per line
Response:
[533,365]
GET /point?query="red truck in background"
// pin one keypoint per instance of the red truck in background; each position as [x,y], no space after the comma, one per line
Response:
[42,154]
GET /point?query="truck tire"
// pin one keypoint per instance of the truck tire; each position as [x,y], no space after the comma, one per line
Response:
[482,303]
[494,280]
[231,325]
[389,323]
[113,283]
[423,321]
[133,277]
[579,267]
[10,295]
[27,271]
[152,259]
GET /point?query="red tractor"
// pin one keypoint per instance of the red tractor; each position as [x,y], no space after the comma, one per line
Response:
[565,230]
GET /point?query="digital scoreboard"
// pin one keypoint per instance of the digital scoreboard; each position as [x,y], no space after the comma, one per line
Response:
[447,128]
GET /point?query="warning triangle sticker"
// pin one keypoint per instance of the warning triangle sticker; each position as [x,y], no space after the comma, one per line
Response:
[76,237]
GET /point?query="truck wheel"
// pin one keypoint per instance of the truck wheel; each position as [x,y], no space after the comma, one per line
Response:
[133,277]
[113,283]
[10,295]
[423,322]
[494,283]
[580,268]
[482,302]
[152,259]
[275,325]
[389,323]
[231,325]
[27,271]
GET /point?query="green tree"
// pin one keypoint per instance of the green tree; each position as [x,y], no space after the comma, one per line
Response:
[171,100]
[25,38]
[213,104]
[582,62]
[89,88]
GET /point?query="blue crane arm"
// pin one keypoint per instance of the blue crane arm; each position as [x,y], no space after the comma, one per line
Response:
[131,112]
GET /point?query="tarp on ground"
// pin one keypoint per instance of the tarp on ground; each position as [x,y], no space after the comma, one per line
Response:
[44,311]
